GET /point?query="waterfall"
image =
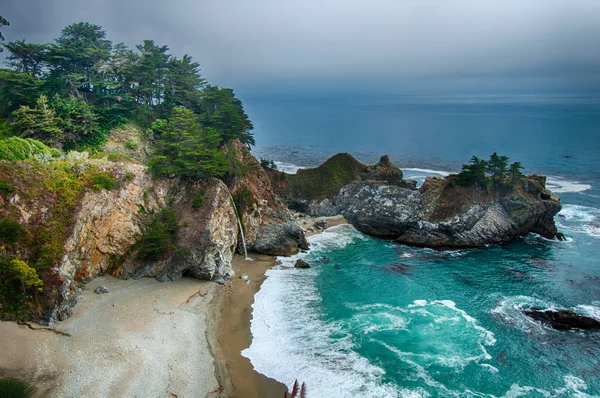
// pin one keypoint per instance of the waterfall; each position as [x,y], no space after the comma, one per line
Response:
[237,215]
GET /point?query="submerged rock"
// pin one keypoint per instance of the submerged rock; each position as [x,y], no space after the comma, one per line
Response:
[301,264]
[563,319]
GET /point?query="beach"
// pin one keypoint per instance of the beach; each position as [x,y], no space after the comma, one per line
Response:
[143,338]
[147,338]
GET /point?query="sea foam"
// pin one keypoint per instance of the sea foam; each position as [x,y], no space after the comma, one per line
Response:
[292,341]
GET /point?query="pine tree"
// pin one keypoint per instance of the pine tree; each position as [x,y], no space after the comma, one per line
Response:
[185,149]
[515,172]
[39,122]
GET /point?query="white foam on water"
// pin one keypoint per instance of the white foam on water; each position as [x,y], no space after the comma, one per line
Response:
[291,341]
[489,367]
[590,310]
[574,388]
[578,213]
[560,185]
[288,168]
[510,310]
[428,171]
[489,340]
[580,219]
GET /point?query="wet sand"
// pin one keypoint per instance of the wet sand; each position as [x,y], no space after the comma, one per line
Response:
[234,309]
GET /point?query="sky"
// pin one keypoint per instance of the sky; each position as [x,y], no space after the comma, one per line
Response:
[264,46]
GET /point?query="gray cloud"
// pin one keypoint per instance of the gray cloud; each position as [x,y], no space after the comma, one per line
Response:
[270,45]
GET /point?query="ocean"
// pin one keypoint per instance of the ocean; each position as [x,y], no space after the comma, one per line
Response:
[373,318]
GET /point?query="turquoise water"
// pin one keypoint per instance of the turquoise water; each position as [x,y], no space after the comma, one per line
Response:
[375,319]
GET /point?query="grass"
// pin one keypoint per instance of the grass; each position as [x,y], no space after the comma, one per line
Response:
[15,388]
[327,179]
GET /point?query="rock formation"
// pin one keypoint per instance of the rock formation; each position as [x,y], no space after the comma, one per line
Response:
[269,227]
[563,319]
[441,213]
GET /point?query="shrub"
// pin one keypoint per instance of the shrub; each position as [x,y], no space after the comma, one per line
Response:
[6,189]
[27,275]
[199,200]
[129,176]
[132,144]
[268,163]
[101,180]
[15,148]
[119,157]
[11,231]
[15,388]
[159,236]
[243,199]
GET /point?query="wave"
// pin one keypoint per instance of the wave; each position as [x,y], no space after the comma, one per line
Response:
[288,168]
[561,185]
[428,171]
[290,340]
[580,219]
[574,387]
[510,310]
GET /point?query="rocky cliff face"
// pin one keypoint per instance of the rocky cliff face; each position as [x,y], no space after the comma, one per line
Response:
[442,214]
[439,214]
[269,227]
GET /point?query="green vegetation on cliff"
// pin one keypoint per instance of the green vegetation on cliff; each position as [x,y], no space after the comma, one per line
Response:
[327,179]
[495,171]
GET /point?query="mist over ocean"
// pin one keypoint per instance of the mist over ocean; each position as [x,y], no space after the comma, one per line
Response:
[380,319]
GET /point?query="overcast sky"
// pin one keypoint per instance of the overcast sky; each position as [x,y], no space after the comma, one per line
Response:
[391,45]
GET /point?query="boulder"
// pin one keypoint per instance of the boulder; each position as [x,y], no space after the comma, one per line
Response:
[101,290]
[563,319]
[321,225]
[301,264]
[279,239]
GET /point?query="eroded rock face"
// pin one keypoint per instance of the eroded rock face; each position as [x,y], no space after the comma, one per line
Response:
[279,239]
[108,224]
[442,214]
[205,241]
[269,227]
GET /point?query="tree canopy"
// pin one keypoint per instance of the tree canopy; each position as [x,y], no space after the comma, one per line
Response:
[82,85]
[494,171]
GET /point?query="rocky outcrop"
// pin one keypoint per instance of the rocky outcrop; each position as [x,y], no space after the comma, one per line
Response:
[441,213]
[269,227]
[563,319]
[108,224]
[279,239]
[205,241]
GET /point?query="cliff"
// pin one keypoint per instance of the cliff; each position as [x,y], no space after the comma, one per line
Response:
[79,218]
[441,213]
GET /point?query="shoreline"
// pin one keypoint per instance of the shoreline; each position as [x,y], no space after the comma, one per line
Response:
[232,312]
[145,337]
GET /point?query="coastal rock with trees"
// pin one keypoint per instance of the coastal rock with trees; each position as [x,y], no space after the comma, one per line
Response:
[487,202]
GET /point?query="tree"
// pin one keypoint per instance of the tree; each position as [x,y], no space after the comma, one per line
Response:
[17,89]
[26,57]
[473,173]
[151,71]
[78,122]
[76,56]
[220,109]
[3,22]
[183,82]
[497,167]
[27,275]
[39,122]
[515,172]
[186,149]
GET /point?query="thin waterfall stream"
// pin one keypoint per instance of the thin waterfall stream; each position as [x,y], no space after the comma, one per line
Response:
[237,215]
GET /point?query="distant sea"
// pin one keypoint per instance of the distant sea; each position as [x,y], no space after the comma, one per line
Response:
[372,318]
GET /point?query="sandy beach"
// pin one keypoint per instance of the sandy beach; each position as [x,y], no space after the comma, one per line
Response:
[143,339]
[148,339]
